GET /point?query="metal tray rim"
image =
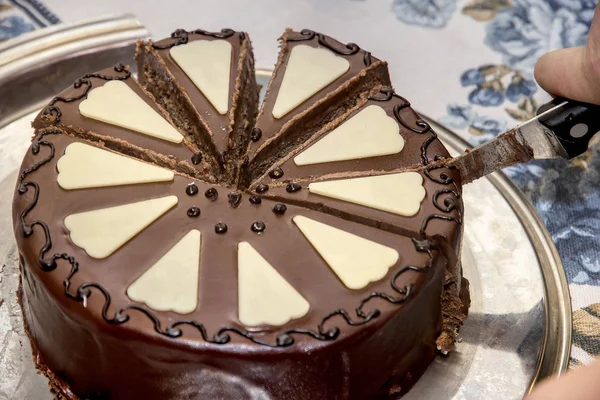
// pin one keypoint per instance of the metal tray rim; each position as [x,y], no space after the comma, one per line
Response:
[554,359]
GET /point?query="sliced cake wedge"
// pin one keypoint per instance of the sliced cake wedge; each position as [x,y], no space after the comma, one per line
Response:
[316,80]
[206,81]
[111,108]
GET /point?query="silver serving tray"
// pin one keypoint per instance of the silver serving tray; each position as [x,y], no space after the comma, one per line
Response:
[519,327]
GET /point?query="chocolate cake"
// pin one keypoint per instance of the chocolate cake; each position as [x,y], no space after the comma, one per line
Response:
[175,243]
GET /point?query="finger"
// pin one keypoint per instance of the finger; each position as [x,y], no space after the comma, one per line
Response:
[573,73]
[581,384]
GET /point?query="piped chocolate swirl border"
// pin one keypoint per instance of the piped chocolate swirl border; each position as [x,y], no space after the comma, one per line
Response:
[181,36]
[451,199]
[350,48]
[223,336]
[53,110]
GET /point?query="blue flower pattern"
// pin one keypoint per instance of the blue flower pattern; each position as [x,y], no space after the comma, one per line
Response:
[530,28]
[13,25]
[429,13]
[521,32]
[29,15]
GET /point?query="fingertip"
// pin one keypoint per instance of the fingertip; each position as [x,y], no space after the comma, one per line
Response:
[548,70]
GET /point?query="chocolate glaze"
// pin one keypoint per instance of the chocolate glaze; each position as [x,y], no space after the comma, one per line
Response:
[353,344]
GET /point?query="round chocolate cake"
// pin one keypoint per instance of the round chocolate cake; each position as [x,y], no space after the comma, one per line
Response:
[179,240]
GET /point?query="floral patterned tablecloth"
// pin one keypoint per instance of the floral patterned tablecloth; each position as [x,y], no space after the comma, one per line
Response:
[467,63]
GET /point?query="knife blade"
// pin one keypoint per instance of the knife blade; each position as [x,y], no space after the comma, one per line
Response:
[562,128]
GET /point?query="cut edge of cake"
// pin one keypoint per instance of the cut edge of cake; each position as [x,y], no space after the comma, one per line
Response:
[156,77]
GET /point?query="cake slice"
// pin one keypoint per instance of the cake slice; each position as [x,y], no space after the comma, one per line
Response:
[109,107]
[316,81]
[419,203]
[206,81]
[381,134]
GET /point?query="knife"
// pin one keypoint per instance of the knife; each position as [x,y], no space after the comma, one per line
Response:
[562,128]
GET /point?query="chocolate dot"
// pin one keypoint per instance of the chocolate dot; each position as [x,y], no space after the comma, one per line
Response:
[223,157]
[211,194]
[119,67]
[197,158]
[262,188]
[220,228]
[191,189]
[234,199]
[193,212]
[256,134]
[254,199]
[276,173]
[292,187]
[258,227]
[279,209]
[77,84]
[245,161]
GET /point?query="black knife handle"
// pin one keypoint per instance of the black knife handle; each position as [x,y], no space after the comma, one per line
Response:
[574,124]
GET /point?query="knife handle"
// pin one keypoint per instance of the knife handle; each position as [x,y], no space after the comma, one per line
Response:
[574,124]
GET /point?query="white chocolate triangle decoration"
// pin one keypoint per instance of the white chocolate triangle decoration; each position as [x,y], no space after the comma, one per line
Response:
[117,104]
[84,166]
[308,70]
[355,260]
[369,133]
[207,64]
[171,284]
[400,193]
[264,296]
[101,232]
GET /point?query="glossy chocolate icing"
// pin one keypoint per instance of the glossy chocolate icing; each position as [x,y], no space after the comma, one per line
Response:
[353,344]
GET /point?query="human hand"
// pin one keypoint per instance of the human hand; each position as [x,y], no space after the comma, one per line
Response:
[573,73]
[581,384]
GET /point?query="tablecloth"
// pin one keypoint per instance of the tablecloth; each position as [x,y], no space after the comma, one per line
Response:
[466,63]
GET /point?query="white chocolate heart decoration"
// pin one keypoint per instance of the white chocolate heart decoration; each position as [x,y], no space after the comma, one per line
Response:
[264,296]
[400,193]
[355,260]
[171,284]
[308,70]
[84,166]
[208,64]
[117,104]
[369,133]
[101,232]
